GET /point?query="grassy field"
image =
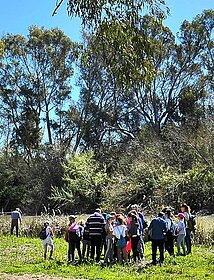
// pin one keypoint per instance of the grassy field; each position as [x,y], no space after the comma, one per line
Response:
[23,256]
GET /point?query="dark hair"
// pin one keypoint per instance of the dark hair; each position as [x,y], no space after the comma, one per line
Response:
[187,208]
[120,221]
[134,212]
[160,214]
[130,214]
[134,217]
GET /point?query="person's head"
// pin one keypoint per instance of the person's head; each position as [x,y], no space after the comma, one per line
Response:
[135,207]
[46,224]
[130,215]
[185,208]
[109,218]
[168,212]
[72,218]
[81,223]
[181,216]
[120,221]
[98,210]
[134,212]
[134,218]
[17,209]
[161,214]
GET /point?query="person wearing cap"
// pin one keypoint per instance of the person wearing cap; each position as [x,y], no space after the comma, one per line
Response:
[15,220]
[74,238]
[95,223]
[157,231]
[109,239]
[181,231]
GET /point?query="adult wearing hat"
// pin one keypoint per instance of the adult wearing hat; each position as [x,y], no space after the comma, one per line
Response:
[157,231]
[15,220]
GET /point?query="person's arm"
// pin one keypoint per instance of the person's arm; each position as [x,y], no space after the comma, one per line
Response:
[20,218]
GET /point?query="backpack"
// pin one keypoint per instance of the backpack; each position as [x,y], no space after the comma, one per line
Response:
[191,223]
[121,243]
[144,223]
[42,234]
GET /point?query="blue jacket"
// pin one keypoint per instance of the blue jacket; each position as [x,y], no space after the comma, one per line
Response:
[157,229]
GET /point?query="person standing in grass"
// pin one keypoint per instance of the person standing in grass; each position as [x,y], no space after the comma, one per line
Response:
[95,223]
[74,237]
[181,231]
[157,230]
[86,243]
[121,231]
[134,233]
[15,220]
[169,243]
[48,241]
[109,254]
[185,209]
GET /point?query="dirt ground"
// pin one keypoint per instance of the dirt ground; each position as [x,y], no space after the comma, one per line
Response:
[32,277]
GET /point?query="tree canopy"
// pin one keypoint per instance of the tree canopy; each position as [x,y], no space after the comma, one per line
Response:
[141,130]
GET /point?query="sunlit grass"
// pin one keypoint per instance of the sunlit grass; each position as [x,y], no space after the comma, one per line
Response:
[24,255]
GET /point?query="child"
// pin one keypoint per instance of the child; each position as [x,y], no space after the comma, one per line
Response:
[48,241]
[181,230]
[121,230]
[109,239]
[86,243]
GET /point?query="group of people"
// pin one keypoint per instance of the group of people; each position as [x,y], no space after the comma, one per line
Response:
[122,238]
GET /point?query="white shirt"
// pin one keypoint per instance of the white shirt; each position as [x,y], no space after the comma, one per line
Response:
[48,240]
[120,230]
[168,223]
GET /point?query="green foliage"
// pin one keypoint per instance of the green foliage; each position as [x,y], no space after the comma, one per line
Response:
[93,14]
[35,85]
[145,110]
[85,181]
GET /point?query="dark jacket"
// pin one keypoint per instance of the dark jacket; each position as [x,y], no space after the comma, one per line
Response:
[157,229]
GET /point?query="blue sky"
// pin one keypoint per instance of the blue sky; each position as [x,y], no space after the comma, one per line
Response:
[17,15]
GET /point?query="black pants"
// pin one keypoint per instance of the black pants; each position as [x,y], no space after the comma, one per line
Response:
[74,243]
[169,243]
[157,244]
[96,242]
[14,223]
[188,241]
[135,252]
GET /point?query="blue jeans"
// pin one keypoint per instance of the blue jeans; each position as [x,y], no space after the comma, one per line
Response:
[181,244]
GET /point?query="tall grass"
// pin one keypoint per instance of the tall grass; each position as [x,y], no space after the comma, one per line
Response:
[31,226]
[204,233]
